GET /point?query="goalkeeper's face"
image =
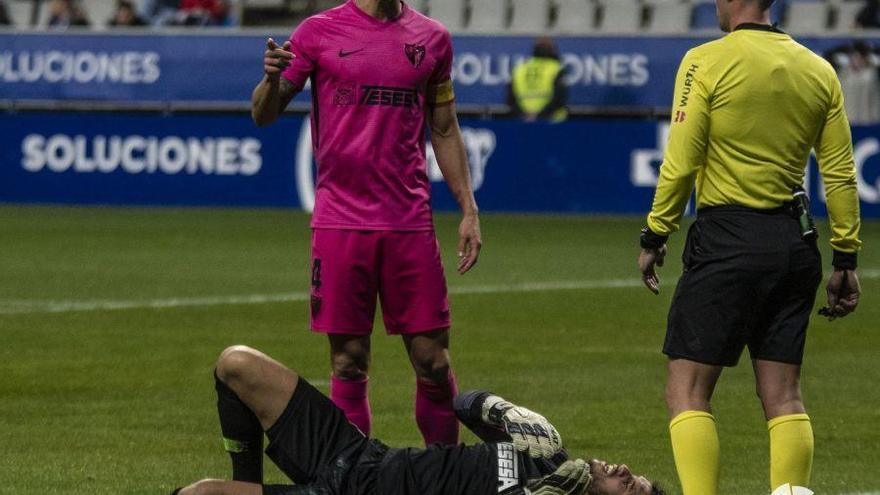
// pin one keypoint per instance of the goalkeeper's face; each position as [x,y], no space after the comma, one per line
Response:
[616,479]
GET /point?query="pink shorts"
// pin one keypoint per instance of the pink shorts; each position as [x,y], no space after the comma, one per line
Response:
[351,268]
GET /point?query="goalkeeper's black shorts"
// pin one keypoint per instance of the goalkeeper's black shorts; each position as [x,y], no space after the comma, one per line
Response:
[749,280]
[313,443]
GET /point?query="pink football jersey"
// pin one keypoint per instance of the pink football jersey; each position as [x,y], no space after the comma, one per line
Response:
[372,81]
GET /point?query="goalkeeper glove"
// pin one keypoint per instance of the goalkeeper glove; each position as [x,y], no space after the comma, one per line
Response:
[572,478]
[530,431]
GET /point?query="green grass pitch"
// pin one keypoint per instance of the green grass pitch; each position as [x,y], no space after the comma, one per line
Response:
[121,401]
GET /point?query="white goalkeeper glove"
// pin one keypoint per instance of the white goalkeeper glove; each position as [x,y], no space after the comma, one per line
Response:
[531,433]
[572,478]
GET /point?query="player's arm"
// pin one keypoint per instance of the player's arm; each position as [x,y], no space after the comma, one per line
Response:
[494,419]
[274,92]
[836,165]
[685,154]
[452,159]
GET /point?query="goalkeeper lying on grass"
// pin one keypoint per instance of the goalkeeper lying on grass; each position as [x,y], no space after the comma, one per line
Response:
[311,442]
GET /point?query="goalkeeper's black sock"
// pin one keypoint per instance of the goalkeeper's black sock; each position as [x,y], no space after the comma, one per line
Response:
[176,491]
[242,435]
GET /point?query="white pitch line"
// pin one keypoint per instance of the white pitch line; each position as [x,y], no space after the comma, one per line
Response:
[19,307]
[31,307]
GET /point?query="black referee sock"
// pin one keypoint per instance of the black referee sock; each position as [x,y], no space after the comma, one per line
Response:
[242,435]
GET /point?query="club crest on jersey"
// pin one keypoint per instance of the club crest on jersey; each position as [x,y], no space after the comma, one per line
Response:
[415,54]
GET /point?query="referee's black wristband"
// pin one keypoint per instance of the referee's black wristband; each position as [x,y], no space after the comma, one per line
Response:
[845,261]
[650,240]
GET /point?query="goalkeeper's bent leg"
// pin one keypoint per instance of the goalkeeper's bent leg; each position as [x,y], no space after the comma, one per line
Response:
[242,434]
[791,450]
[696,450]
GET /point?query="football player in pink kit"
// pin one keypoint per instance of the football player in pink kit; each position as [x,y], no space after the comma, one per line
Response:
[380,74]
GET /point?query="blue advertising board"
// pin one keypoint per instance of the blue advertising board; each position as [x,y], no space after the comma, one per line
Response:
[590,166]
[163,67]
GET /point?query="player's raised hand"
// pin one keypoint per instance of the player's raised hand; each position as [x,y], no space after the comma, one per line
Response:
[469,243]
[530,432]
[277,58]
[843,293]
[648,259]
[571,478]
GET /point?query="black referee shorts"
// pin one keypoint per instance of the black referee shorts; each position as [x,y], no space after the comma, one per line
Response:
[749,280]
[313,442]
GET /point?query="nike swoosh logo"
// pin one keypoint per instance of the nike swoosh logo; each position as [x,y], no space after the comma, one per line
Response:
[343,53]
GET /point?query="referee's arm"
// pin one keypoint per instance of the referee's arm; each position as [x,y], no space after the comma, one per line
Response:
[686,149]
[685,155]
[835,155]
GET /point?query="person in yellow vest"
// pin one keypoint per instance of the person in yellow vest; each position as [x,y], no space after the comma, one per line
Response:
[537,90]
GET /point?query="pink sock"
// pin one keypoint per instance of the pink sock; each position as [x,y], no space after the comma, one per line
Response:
[351,397]
[434,413]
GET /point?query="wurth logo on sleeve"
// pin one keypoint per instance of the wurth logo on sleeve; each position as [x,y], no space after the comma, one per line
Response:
[688,85]
[508,467]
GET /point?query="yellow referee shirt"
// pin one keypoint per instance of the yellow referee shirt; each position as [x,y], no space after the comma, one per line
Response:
[748,109]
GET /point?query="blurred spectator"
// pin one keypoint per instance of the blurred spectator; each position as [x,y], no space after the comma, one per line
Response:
[126,15]
[4,15]
[858,67]
[201,12]
[66,13]
[537,90]
[869,16]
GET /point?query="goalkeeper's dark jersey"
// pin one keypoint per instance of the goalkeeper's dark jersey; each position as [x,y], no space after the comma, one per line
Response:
[315,445]
[487,468]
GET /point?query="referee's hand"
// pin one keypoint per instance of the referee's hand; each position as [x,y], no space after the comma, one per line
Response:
[843,293]
[648,259]
[276,58]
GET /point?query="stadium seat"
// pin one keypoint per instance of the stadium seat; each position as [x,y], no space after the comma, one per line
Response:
[845,17]
[43,15]
[575,17]
[449,12]
[621,16]
[807,17]
[666,17]
[98,12]
[530,16]
[488,16]
[20,12]
[704,16]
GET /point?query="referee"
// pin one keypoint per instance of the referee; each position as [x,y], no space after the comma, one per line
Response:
[747,110]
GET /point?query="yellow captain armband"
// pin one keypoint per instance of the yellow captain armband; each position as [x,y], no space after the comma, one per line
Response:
[441,94]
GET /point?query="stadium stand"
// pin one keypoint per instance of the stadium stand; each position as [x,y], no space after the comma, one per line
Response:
[807,17]
[574,16]
[565,17]
[98,12]
[488,16]
[449,12]
[20,12]
[666,16]
[530,16]
[845,15]
[621,16]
